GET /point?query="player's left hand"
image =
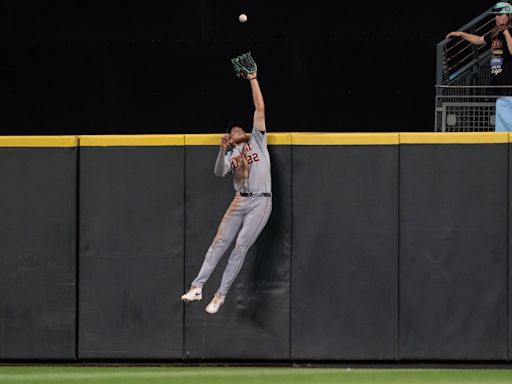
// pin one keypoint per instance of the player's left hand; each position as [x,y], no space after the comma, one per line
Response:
[244,66]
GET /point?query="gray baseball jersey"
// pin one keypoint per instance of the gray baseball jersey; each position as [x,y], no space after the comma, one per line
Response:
[258,159]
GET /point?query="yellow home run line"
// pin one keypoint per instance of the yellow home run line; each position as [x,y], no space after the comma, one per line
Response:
[455,138]
[305,139]
[38,141]
[302,139]
[131,140]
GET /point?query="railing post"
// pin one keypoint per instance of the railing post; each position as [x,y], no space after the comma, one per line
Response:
[440,63]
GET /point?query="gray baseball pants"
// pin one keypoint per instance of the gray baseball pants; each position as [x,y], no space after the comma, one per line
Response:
[246,216]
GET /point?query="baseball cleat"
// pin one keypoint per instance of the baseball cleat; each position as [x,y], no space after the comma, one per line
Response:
[193,294]
[215,304]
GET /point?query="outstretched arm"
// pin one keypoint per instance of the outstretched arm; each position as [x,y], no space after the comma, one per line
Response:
[259,104]
[473,39]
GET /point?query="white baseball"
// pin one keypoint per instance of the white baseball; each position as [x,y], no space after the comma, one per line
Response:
[242,18]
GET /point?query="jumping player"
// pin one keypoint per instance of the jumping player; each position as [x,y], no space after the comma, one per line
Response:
[249,163]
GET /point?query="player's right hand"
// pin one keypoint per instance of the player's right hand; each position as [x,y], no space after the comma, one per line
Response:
[224,141]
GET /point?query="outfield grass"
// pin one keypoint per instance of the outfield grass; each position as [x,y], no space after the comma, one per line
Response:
[217,375]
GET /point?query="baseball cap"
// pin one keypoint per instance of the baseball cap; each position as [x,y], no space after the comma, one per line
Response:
[501,8]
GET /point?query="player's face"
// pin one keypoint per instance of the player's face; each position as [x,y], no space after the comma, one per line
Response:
[238,135]
[502,19]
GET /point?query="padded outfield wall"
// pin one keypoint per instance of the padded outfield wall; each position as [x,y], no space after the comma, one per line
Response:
[390,247]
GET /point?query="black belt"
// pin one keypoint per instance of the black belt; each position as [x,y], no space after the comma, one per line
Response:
[252,194]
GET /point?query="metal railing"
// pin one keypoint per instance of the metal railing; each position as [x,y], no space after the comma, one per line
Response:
[464,99]
[469,108]
[459,60]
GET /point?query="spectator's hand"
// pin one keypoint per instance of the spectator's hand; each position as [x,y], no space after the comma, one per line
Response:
[502,27]
[454,34]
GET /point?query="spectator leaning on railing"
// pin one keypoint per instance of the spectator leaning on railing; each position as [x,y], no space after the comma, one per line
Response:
[500,41]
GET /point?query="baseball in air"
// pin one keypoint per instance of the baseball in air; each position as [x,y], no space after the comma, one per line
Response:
[242,18]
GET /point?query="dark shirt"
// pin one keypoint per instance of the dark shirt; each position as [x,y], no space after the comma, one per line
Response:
[501,61]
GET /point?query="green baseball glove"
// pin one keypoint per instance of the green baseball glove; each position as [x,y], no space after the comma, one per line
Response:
[244,65]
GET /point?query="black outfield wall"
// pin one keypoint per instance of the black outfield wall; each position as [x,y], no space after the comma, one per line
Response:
[38,247]
[453,248]
[131,247]
[345,230]
[389,247]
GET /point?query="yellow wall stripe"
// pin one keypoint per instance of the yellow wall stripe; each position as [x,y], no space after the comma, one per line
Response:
[345,138]
[214,139]
[279,138]
[454,138]
[273,139]
[131,140]
[38,141]
[203,139]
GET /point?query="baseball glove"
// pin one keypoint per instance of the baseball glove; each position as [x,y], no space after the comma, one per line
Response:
[244,65]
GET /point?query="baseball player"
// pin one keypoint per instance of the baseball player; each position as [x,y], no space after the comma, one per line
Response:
[249,163]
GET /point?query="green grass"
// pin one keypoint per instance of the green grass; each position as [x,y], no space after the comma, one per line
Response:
[228,375]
